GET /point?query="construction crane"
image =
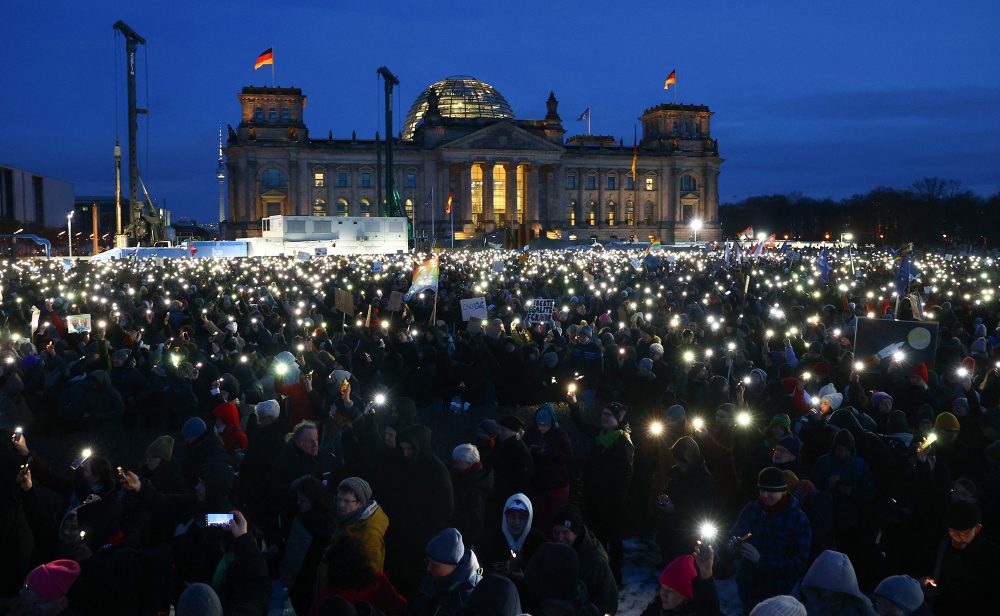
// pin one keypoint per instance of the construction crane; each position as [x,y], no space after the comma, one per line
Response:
[146,222]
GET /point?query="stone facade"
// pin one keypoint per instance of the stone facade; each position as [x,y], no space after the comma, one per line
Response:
[492,167]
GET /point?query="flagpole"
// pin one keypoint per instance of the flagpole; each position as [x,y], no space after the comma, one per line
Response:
[589,113]
[433,226]
[272,66]
[452,214]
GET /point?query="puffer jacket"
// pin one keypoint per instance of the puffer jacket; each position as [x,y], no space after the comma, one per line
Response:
[833,572]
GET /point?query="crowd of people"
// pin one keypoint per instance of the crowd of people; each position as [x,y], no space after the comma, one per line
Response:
[396,458]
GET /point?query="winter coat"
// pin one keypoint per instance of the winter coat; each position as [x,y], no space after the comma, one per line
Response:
[232,437]
[494,595]
[246,588]
[966,578]
[264,446]
[596,574]
[449,595]
[848,509]
[203,450]
[551,455]
[512,467]
[833,572]
[692,492]
[382,595]
[783,538]
[471,488]
[369,532]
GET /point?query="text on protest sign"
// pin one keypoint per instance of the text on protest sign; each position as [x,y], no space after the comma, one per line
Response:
[540,311]
[474,308]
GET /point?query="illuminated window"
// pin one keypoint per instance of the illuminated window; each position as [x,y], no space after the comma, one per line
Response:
[477,194]
[520,194]
[500,193]
[342,180]
[688,183]
[592,213]
[411,180]
[571,213]
[409,208]
[319,206]
[319,179]
[647,213]
[630,183]
[366,180]
[612,183]
[630,212]
[571,181]
[366,208]
[612,206]
[591,182]
[650,183]
[342,207]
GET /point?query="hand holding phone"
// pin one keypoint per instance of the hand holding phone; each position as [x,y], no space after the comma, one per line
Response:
[218,519]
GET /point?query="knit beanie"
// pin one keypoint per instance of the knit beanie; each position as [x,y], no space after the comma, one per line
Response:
[446,547]
[488,427]
[969,364]
[679,575]
[903,591]
[359,488]
[783,420]
[771,479]
[686,449]
[781,605]
[921,371]
[792,444]
[845,438]
[162,448]
[512,423]
[835,400]
[199,600]
[961,516]
[946,422]
[571,518]
[52,580]
[877,399]
[546,414]
[193,428]
[791,479]
[268,409]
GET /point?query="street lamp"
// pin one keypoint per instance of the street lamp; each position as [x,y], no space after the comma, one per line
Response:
[696,226]
[69,231]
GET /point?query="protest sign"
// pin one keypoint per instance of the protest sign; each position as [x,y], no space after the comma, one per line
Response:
[343,301]
[474,308]
[540,311]
[395,301]
[78,323]
[878,340]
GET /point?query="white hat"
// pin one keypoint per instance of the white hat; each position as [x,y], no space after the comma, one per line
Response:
[782,605]
[268,408]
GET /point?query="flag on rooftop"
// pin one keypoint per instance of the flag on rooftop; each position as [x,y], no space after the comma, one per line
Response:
[265,58]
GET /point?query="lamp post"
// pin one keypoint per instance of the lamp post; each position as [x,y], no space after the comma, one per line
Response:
[696,226]
[69,232]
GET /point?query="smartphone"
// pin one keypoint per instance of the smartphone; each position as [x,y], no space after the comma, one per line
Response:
[344,385]
[218,519]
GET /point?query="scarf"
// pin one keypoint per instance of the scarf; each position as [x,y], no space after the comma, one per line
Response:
[779,506]
[361,513]
[606,439]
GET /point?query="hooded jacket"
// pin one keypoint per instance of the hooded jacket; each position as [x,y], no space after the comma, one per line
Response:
[471,488]
[448,595]
[232,436]
[832,571]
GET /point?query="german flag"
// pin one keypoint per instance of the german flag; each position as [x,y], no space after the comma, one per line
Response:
[671,80]
[265,58]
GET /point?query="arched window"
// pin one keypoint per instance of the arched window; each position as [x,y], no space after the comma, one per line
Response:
[343,208]
[319,178]
[592,213]
[272,179]
[571,213]
[571,181]
[258,114]
[366,208]
[409,208]
[630,213]
[612,211]
[319,206]
[272,114]
[285,116]
[688,183]
[500,194]
[477,195]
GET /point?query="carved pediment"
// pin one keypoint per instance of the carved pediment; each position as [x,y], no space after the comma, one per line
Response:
[502,136]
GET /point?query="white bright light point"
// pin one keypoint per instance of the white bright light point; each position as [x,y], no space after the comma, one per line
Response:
[746,380]
[859,366]
[385,325]
[708,531]
[769,333]
[898,356]
[698,423]
[655,428]
[962,373]
[380,399]
[244,359]
[688,356]
[86,453]
[571,388]
[743,419]
[281,369]
[815,401]
[696,224]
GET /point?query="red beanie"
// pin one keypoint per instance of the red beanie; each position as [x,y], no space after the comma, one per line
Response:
[921,371]
[969,364]
[51,581]
[679,575]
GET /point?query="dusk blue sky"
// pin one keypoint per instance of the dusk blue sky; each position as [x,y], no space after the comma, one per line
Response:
[828,99]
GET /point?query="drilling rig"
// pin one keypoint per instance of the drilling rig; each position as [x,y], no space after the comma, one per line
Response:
[146,224]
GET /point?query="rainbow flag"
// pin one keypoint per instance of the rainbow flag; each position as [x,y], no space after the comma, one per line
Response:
[425,276]
[654,246]
[900,253]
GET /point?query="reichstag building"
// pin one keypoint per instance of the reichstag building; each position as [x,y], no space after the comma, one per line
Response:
[462,138]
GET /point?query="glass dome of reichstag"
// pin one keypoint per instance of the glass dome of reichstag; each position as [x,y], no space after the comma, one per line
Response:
[459,97]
